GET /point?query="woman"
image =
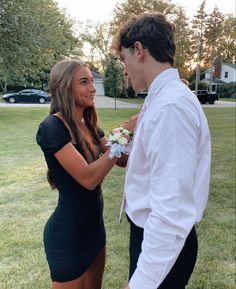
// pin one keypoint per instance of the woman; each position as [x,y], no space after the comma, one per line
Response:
[74,235]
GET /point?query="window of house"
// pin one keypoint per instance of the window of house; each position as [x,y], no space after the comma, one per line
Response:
[213,87]
[226,74]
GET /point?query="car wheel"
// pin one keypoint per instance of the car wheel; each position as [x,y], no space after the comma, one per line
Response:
[42,100]
[12,99]
[211,101]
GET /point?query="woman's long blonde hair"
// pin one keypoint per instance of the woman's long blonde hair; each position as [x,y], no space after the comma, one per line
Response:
[63,101]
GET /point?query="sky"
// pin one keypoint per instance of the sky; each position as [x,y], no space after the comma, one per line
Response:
[101,10]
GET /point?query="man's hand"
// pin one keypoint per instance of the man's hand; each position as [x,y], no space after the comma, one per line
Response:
[127,287]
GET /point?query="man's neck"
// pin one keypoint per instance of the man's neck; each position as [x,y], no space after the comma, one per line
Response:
[153,69]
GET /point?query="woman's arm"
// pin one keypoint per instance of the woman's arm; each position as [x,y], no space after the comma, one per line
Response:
[88,175]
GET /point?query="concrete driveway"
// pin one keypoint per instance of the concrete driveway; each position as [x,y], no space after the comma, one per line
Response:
[108,102]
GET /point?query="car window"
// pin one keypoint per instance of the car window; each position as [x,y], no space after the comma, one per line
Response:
[25,91]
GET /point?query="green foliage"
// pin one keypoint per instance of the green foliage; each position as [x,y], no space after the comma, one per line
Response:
[34,34]
[123,11]
[201,85]
[227,90]
[213,36]
[113,79]
[183,33]
[130,92]
[97,35]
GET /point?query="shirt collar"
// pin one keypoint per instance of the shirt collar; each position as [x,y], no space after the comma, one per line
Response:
[159,81]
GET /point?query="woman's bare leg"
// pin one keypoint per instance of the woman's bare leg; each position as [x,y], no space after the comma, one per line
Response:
[93,276]
[74,284]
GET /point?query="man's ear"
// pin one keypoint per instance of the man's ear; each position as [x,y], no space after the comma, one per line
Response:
[139,50]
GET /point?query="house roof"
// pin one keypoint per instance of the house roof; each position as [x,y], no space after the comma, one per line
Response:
[214,80]
[230,65]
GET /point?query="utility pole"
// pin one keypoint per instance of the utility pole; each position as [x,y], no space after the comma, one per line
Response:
[198,63]
[211,76]
[115,102]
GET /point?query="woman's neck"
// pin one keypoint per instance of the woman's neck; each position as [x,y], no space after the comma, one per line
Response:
[79,112]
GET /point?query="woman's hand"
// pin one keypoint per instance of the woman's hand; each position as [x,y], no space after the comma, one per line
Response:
[131,123]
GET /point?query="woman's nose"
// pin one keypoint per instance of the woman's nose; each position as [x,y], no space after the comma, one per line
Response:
[93,87]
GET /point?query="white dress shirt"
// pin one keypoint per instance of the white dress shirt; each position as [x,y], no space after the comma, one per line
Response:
[167,178]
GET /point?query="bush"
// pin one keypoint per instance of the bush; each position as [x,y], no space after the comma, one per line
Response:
[130,92]
[227,90]
[201,85]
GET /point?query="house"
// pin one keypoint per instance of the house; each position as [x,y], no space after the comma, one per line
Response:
[219,74]
[98,82]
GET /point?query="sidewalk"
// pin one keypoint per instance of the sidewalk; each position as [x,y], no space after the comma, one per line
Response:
[109,102]
[100,102]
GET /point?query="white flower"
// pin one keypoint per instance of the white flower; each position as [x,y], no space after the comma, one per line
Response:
[126,132]
[122,141]
[117,136]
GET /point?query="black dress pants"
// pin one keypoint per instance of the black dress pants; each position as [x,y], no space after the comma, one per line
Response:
[180,273]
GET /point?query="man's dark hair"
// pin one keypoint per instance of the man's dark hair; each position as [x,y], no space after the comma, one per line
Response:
[155,33]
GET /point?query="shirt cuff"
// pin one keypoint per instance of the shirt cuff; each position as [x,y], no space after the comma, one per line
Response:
[141,281]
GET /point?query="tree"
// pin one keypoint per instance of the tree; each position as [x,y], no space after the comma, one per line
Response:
[34,35]
[198,25]
[228,39]
[113,80]
[123,11]
[213,36]
[183,33]
[98,36]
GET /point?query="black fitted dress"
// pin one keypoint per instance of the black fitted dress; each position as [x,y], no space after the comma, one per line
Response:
[74,234]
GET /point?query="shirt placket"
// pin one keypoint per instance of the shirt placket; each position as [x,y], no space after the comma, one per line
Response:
[141,114]
[122,206]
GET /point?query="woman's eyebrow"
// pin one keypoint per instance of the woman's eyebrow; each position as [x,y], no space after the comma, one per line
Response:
[85,78]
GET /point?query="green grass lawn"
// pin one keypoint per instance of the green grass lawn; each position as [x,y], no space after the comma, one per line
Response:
[26,202]
[231,99]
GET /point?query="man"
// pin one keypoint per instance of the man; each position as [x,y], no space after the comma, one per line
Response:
[168,172]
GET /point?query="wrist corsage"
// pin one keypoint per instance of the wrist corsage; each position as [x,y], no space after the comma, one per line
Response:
[120,140]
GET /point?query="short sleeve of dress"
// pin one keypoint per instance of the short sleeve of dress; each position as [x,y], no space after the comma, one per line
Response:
[100,132]
[52,135]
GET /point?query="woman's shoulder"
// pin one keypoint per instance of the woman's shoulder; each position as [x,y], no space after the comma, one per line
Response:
[52,132]
[52,120]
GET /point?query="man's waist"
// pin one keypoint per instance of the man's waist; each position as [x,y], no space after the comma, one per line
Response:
[137,217]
